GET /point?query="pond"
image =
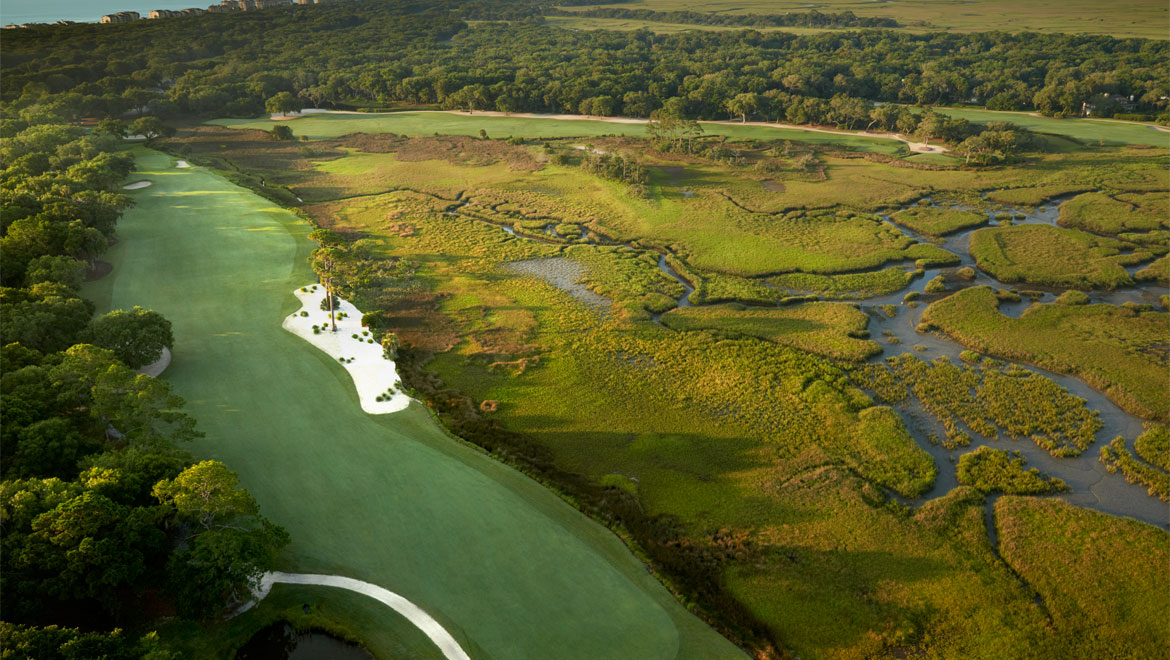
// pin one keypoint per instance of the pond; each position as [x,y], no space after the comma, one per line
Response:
[280,641]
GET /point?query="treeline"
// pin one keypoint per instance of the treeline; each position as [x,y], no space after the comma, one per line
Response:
[812,18]
[377,54]
[107,522]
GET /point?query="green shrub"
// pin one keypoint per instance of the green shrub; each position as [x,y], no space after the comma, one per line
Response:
[995,470]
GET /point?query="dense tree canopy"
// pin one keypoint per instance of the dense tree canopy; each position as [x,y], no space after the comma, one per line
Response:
[85,439]
[377,53]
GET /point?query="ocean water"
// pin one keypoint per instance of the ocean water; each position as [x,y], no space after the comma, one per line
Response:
[48,11]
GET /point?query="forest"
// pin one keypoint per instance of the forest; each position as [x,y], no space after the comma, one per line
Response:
[339,56]
[108,522]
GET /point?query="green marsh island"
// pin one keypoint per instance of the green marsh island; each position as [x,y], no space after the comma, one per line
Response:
[655,330]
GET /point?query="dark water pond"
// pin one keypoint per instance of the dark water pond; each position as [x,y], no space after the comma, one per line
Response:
[280,642]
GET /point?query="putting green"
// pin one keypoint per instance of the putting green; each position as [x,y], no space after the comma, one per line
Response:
[318,126]
[504,565]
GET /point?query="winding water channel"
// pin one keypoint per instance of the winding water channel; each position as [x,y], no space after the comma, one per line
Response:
[1090,485]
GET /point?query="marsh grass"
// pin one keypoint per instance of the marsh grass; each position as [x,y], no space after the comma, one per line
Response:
[996,470]
[1113,349]
[1053,256]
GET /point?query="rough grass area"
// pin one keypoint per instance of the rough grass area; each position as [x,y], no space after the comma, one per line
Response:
[938,221]
[1120,351]
[758,469]
[848,285]
[1097,575]
[995,470]
[1052,256]
[829,329]
[510,569]
[1103,214]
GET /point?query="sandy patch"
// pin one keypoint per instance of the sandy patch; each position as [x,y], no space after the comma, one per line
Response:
[182,164]
[374,376]
[137,185]
[413,613]
[564,274]
[155,369]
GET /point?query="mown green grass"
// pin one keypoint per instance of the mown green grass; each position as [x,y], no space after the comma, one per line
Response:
[938,221]
[1134,18]
[422,123]
[995,470]
[1086,130]
[588,23]
[824,328]
[1053,256]
[1102,578]
[1113,349]
[510,569]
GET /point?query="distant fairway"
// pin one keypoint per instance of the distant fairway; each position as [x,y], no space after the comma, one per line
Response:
[1086,130]
[504,565]
[319,126]
[1131,18]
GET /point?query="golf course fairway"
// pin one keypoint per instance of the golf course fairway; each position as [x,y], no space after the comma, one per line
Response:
[505,566]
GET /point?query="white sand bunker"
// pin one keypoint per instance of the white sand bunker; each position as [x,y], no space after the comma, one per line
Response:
[182,163]
[352,345]
[137,185]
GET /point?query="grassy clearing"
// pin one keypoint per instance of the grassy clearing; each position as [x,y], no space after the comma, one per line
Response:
[938,221]
[995,470]
[829,329]
[1103,214]
[510,569]
[1116,457]
[423,123]
[1053,256]
[589,23]
[1102,578]
[1135,18]
[1085,130]
[1116,350]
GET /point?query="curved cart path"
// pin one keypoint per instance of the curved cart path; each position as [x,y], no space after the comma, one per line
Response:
[413,613]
